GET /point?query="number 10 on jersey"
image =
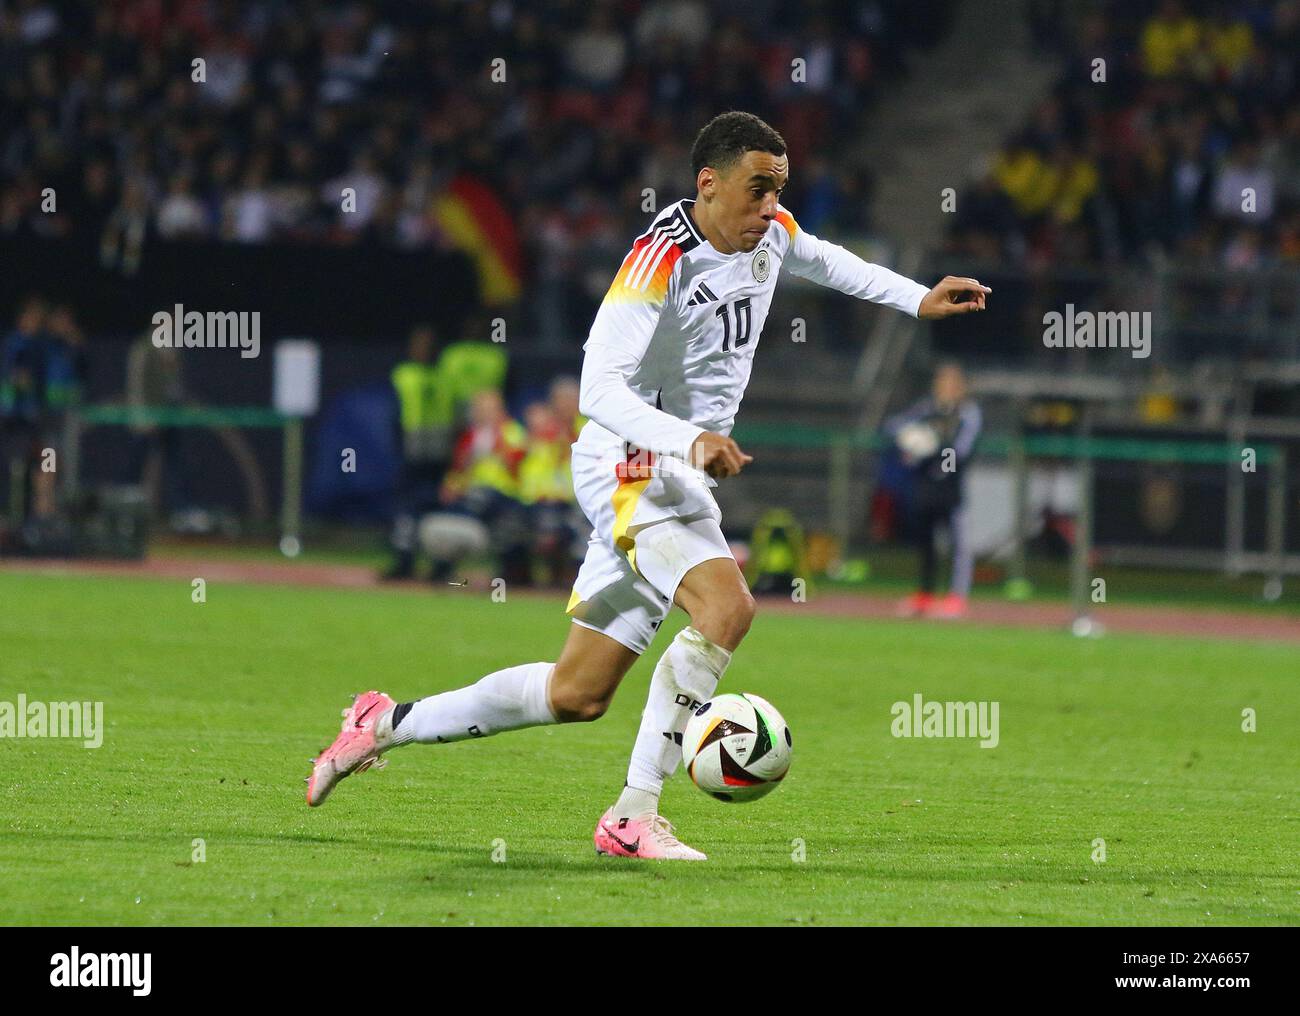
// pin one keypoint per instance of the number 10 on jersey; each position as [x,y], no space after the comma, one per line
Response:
[742,323]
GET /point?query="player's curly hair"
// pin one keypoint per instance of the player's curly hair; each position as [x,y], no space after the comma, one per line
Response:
[728,136]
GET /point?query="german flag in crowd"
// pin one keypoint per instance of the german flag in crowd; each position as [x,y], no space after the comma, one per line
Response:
[476,220]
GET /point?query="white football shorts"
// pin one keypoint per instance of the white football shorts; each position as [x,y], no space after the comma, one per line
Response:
[651,525]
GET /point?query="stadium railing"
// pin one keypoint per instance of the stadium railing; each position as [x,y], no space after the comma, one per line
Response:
[216,417]
[1020,450]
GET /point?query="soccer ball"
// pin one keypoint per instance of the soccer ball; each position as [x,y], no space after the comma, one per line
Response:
[736,747]
[918,441]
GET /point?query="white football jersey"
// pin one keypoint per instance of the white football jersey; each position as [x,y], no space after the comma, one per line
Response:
[671,349]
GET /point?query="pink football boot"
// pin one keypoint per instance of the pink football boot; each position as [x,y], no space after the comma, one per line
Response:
[356,749]
[650,837]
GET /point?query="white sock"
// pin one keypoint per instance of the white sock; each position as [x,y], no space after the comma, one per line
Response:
[505,700]
[687,674]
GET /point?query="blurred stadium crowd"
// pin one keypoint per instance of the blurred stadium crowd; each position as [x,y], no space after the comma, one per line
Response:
[397,101]
[1200,102]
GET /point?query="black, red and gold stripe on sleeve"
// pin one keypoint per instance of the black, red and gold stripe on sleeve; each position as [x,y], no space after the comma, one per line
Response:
[644,275]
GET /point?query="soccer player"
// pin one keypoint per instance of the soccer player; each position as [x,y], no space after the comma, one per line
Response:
[666,365]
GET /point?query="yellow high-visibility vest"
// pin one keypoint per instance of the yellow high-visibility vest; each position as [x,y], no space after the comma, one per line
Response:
[470,367]
[492,470]
[545,475]
[422,395]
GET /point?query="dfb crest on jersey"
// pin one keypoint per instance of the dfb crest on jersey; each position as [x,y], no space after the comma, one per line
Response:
[762,265]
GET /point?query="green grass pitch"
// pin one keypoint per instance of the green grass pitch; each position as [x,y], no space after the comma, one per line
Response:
[212,710]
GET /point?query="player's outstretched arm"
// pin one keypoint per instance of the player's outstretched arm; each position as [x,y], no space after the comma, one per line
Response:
[951,295]
[829,264]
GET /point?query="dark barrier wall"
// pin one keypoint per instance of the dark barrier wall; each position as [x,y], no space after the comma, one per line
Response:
[327,292]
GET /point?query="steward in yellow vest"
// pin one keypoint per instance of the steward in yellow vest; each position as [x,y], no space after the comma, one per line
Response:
[483,483]
[488,453]
[470,367]
[546,487]
[426,425]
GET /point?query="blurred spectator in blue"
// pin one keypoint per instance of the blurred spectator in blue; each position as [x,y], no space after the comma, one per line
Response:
[936,438]
[42,372]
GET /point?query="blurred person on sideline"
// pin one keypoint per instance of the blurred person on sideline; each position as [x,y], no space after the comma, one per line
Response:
[564,404]
[482,486]
[471,366]
[935,438]
[65,384]
[546,489]
[426,423]
[26,356]
[155,380]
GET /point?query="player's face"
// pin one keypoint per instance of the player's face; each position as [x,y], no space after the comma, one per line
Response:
[744,198]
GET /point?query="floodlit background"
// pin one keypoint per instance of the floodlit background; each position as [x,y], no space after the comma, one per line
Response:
[409,213]
[358,172]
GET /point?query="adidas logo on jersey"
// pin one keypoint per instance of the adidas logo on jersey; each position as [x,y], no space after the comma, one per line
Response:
[703,294]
